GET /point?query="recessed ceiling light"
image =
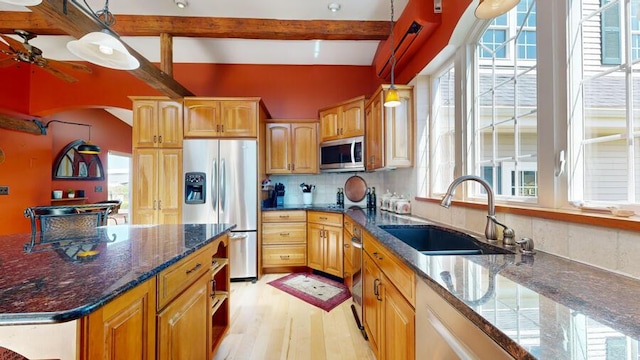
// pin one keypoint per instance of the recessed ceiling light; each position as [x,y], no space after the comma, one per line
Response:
[334,7]
[181,3]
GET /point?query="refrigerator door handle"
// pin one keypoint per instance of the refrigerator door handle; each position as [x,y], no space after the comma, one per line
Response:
[223,185]
[238,236]
[214,192]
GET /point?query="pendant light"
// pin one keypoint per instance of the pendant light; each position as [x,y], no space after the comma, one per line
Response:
[22,2]
[103,47]
[392,99]
[489,9]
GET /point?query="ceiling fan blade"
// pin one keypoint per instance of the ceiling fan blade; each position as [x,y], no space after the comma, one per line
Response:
[5,48]
[8,62]
[58,73]
[14,44]
[66,65]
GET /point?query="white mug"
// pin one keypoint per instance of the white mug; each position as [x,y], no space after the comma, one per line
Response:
[57,194]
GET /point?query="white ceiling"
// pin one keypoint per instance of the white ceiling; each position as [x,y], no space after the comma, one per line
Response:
[243,51]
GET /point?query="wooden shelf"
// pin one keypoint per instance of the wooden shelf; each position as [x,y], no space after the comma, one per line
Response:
[218,299]
[218,264]
[69,201]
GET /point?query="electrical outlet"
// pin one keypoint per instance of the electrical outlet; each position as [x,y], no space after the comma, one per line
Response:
[97,188]
[4,190]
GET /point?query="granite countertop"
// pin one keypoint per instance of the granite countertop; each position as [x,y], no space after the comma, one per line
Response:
[44,285]
[534,306]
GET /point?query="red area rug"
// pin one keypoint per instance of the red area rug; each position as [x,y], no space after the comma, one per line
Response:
[313,289]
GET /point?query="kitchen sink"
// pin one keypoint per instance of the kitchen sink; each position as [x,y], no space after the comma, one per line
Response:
[436,240]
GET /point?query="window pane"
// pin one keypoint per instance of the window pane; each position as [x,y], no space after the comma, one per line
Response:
[605,105]
[606,171]
[506,107]
[443,137]
[491,41]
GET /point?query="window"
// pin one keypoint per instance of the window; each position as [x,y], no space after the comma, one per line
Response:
[118,176]
[443,130]
[605,90]
[505,127]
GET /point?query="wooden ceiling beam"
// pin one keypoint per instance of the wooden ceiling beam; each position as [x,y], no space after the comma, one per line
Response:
[23,125]
[76,22]
[210,27]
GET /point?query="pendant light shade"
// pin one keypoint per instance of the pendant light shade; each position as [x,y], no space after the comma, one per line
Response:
[101,48]
[489,9]
[89,148]
[22,2]
[392,99]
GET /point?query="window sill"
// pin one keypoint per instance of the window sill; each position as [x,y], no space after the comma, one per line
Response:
[566,215]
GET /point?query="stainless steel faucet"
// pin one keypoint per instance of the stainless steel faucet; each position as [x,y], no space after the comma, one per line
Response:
[490,229]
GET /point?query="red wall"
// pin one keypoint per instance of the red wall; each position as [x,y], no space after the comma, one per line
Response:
[29,160]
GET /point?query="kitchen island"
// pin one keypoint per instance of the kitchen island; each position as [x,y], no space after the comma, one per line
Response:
[57,290]
[532,306]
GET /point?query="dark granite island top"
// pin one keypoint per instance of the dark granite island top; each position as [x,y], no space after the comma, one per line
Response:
[44,285]
[541,306]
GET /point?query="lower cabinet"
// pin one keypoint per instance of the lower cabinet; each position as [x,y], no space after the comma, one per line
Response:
[389,319]
[182,328]
[284,238]
[324,244]
[181,314]
[125,328]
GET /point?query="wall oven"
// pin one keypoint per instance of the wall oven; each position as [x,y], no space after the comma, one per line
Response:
[342,155]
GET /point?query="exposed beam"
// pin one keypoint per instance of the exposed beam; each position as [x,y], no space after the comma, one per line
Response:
[166,53]
[16,124]
[77,23]
[211,27]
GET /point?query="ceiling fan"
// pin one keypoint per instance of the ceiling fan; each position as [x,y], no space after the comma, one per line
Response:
[25,52]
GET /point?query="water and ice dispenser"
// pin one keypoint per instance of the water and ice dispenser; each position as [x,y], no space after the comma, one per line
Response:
[195,188]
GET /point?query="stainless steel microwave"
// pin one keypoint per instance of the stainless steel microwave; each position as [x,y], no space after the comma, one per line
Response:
[342,155]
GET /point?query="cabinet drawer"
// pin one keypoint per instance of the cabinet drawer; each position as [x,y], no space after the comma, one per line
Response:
[399,273]
[179,276]
[325,218]
[286,255]
[284,216]
[283,233]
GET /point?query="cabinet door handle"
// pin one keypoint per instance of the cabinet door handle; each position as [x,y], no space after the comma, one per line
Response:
[159,204]
[284,257]
[293,167]
[288,166]
[217,128]
[284,234]
[160,139]
[323,218]
[377,256]
[198,266]
[222,127]
[377,290]
[346,246]
[155,138]
[376,282]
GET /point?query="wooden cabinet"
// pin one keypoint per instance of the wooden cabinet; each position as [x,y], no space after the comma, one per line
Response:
[389,299]
[343,120]
[221,118]
[442,332]
[292,148]
[193,304]
[157,122]
[325,242]
[125,328]
[157,186]
[284,238]
[389,131]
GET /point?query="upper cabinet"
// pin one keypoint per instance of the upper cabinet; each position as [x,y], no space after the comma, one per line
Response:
[157,123]
[389,132]
[343,120]
[292,148]
[221,118]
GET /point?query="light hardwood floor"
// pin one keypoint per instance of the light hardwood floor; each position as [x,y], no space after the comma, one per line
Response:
[267,323]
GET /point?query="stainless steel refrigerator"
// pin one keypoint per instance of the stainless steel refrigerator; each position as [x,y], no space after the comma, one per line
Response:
[221,186]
